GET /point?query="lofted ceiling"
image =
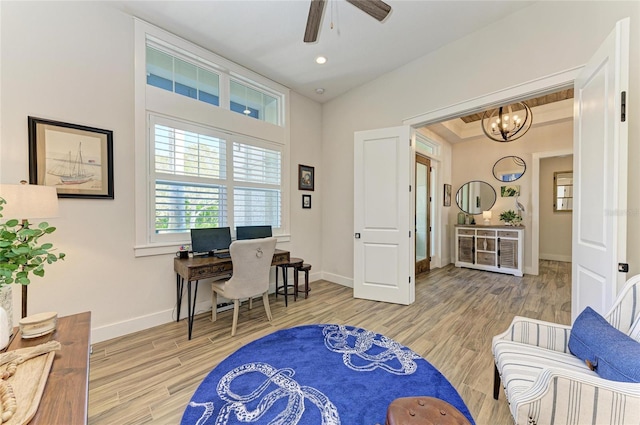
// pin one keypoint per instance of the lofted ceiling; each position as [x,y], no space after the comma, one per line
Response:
[266,36]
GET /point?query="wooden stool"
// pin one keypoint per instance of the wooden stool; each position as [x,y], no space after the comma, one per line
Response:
[304,268]
[292,264]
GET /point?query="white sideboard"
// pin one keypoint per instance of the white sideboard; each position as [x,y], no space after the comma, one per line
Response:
[492,248]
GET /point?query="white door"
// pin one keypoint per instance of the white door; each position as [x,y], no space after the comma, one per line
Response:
[600,175]
[383,250]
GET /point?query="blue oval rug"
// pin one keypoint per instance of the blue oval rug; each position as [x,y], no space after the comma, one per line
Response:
[316,374]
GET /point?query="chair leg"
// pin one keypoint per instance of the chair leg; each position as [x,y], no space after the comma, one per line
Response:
[277,267]
[236,307]
[496,382]
[265,300]
[214,303]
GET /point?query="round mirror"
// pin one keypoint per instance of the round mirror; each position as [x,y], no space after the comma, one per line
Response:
[509,168]
[476,196]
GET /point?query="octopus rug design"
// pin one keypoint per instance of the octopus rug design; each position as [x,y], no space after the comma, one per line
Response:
[321,374]
[364,350]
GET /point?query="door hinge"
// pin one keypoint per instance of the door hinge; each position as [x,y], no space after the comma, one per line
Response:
[409,234]
[409,141]
[409,188]
[409,279]
[623,267]
[430,199]
[623,106]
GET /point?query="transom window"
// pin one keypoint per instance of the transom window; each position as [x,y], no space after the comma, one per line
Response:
[173,74]
[180,76]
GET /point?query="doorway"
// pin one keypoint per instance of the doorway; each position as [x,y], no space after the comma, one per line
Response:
[423,213]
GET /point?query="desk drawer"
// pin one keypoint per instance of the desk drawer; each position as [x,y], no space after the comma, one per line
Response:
[213,270]
[280,258]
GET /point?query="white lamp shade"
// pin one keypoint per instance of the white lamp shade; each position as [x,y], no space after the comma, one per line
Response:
[486,215]
[26,201]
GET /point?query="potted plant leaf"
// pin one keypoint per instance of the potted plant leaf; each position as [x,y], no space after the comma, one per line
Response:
[510,218]
[21,252]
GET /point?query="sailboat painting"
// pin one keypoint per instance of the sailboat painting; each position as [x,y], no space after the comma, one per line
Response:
[73,168]
[77,160]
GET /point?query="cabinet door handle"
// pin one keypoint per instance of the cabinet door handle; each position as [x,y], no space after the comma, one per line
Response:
[473,250]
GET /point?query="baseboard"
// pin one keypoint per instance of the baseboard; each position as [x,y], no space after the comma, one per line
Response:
[340,280]
[136,324]
[555,257]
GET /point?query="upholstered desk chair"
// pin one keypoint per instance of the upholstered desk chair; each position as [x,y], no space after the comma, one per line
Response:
[547,385]
[251,260]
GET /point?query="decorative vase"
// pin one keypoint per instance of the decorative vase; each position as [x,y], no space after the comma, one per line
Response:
[6,304]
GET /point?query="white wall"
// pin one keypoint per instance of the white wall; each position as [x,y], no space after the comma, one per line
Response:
[555,227]
[552,37]
[474,160]
[73,62]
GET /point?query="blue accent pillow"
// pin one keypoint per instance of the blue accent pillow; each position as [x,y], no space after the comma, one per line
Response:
[612,354]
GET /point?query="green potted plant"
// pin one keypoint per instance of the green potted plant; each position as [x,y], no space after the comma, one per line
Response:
[510,218]
[21,253]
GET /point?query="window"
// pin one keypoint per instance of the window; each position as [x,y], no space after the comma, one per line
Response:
[174,74]
[195,182]
[181,77]
[256,175]
[253,103]
[199,164]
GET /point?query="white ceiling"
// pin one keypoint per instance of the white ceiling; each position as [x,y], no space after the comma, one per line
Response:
[266,35]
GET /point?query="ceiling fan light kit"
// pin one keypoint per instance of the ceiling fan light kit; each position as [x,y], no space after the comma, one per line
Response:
[507,123]
[374,8]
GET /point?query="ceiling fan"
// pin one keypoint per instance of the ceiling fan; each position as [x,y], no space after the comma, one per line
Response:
[375,8]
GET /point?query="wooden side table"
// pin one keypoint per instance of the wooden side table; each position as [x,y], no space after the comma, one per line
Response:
[65,396]
[293,263]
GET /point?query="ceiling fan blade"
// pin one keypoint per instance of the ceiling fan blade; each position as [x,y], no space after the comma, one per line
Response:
[376,8]
[313,21]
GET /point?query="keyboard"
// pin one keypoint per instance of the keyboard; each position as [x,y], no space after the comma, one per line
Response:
[222,255]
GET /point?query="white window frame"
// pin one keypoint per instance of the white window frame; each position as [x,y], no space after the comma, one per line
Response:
[149,99]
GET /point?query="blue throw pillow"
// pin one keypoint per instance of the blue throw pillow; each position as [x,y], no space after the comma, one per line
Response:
[612,354]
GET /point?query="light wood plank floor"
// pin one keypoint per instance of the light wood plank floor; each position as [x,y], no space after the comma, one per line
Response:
[148,377]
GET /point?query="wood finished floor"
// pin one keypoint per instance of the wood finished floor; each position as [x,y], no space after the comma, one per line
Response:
[148,377]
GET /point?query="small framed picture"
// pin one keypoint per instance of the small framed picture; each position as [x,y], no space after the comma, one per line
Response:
[76,160]
[305,177]
[509,191]
[447,195]
[306,201]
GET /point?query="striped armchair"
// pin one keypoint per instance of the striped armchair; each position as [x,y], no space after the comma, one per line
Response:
[545,384]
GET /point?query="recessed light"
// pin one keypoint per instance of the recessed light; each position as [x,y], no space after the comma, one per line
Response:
[320,90]
[320,60]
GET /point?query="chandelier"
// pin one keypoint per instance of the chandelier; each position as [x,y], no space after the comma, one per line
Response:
[507,123]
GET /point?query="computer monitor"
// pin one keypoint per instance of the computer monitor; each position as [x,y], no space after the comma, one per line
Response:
[253,232]
[209,240]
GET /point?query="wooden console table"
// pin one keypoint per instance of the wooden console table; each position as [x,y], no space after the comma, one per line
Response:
[64,400]
[195,268]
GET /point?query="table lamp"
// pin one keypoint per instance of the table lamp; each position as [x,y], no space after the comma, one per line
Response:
[487,217]
[28,201]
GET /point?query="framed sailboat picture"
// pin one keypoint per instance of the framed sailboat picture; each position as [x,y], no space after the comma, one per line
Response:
[76,160]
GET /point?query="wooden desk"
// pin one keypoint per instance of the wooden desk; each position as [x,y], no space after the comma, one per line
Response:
[197,268]
[64,400]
